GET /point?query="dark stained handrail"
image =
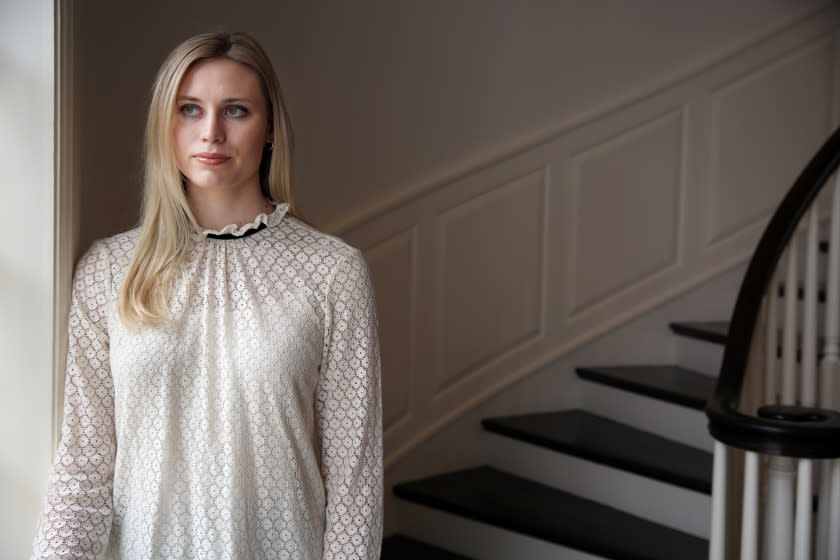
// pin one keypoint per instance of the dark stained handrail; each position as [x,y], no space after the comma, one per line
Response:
[806,432]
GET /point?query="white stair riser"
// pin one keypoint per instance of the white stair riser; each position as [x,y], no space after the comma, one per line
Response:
[678,423]
[478,540]
[681,509]
[699,355]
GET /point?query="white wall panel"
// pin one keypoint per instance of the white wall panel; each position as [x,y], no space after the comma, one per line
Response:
[27,267]
[491,275]
[768,124]
[393,268]
[636,174]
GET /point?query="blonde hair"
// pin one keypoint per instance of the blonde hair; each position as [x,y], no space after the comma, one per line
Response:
[168,225]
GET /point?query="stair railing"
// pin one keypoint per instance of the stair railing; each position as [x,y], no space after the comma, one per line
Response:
[773,414]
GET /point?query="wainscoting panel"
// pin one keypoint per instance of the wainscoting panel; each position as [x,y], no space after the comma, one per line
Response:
[767,124]
[635,174]
[491,274]
[488,276]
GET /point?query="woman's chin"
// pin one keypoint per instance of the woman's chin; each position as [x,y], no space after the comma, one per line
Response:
[205,185]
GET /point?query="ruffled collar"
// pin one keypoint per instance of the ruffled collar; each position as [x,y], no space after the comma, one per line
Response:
[262,221]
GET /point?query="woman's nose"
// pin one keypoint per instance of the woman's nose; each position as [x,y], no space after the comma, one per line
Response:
[212,131]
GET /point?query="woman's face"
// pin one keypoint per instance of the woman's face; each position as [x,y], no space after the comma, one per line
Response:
[221,126]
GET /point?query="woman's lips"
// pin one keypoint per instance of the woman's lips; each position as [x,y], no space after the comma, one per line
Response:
[211,159]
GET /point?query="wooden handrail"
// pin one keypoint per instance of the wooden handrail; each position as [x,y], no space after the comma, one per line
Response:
[814,433]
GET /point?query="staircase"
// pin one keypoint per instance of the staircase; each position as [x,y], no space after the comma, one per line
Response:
[628,476]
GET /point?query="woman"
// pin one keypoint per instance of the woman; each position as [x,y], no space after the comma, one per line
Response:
[222,394]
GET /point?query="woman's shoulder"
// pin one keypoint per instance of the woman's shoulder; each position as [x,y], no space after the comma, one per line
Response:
[334,264]
[105,258]
[305,237]
[118,248]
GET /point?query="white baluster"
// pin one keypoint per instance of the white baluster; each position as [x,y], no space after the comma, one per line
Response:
[749,512]
[830,366]
[823,505]
[804,493]
[834,512]
[808,395]
[771,346]
[790,327]
[779,537]
[808,388]
[831,351]
[717,538]
[778,513]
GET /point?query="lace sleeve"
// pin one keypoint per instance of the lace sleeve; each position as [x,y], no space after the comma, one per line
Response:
[349,417]
[77,516]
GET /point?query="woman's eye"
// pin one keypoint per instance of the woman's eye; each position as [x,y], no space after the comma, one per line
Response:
[189,110]
[236,111]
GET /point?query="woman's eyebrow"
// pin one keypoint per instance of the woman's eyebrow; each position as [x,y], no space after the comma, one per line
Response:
[225,100]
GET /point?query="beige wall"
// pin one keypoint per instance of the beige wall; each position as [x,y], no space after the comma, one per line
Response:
[390,96]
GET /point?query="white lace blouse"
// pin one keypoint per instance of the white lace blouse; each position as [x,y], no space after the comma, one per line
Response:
[249,428]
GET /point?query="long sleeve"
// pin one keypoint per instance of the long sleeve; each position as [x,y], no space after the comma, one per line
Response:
[77,515]
[349,417]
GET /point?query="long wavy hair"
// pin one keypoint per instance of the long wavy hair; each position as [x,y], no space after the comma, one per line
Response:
[167,224]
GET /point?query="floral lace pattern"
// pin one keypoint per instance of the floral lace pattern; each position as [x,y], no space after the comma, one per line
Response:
[248,428]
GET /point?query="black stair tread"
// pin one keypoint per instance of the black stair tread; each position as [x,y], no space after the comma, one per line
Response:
[491,496]
[400,547]
[710,331]
[673,384]
[592,437]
